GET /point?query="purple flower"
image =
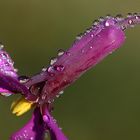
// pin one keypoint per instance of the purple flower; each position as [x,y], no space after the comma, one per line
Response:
[39,91]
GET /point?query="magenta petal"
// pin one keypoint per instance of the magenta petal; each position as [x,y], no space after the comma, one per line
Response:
[7,65]
[55,131]
[12,85]
[85,53]
[7,72]
[33,130]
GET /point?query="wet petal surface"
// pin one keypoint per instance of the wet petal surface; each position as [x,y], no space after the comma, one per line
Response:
[33,130]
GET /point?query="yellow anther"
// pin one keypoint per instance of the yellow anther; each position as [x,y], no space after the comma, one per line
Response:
[21,106]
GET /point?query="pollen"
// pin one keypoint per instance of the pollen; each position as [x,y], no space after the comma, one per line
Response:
[21,106]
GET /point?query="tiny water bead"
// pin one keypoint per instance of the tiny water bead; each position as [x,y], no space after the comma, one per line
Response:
[1,46]
[60,52]
[53,60]
[44,69]
[59,67]
[61,92]
[23,79]
[78,37]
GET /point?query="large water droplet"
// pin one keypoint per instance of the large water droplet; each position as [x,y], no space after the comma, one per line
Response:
[60,52]
[53,60]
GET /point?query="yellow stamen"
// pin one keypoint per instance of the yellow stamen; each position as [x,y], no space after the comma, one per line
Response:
[21,106]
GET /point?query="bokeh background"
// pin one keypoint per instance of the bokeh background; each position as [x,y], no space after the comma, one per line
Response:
[104,104]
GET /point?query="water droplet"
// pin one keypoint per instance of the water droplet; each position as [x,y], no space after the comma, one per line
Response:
[96,22]
[119,17]
[130,21]
[68,53]
[1,46]
[78,37]
[59,67]
[16,70]
[44,69]
[107,23]
[88,30]
[60,52]
[136,15]
[4,56]
[61,92]
[57,95]
[101,19]
[108,16]
[90,47]
[50,69]
[23,79]
[129,15]
[49,101]
[5,94]
[92,35]
[53,60]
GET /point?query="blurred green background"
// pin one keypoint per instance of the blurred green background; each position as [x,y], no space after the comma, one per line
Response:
[104,104]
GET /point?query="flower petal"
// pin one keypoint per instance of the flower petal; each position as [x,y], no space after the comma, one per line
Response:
[55,131]
[7,72]
[9,83]
[7,65]
[33,130]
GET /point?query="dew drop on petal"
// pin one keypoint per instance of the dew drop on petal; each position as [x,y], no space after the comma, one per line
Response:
[68,53]
[119,17]
[1,46]
[53,60]
[59,67]
[95,22]
[130,21]
[5,94]
[44,69]
[57,95]
[61,92]
[60,52]
[101,19]
[129,15]
[23,79]
[107,23]
[78,37]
